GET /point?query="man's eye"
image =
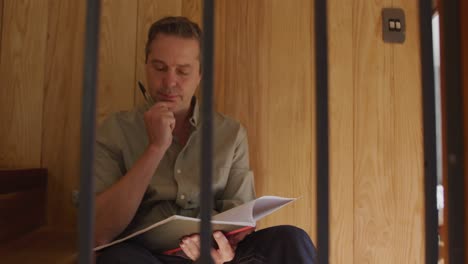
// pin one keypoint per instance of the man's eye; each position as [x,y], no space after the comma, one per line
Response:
[184,73]
[159,68]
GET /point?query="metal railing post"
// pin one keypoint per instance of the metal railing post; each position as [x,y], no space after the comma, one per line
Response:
[88,119]
[429,126]
[207,133]
[322,129]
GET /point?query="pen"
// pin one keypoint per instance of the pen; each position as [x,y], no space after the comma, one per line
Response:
[148,98]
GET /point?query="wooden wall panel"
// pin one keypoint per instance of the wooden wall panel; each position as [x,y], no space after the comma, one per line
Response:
[290,127]
[62,107]
[193,9]
[377,164]
[341,114]
[117,50]
[22,59]
[264,68]
[148,12]
[408,177]
[242,67]
[1,24]
[374,187]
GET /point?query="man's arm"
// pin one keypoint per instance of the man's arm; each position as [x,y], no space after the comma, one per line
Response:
[240,187]
[117,205]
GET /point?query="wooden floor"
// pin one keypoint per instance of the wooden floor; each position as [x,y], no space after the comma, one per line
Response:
[44,245]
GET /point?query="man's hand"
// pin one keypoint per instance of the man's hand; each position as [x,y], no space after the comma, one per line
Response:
[234,239]
[225,252]
[160,122]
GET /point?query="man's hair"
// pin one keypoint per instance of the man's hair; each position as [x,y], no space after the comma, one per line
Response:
[175,26]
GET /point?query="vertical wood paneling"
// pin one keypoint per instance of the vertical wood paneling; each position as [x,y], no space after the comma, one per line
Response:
[374,156]
[290,131]
[242,71]
[389,208]
[148,12]
[21,81]
[193,9]
[117,47]
[408,176]
[1,24]
[62,107]
[264,79]
[341,101]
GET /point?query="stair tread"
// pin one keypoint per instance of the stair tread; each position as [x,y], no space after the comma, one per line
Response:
[17,180]
[44,245]
[21,212]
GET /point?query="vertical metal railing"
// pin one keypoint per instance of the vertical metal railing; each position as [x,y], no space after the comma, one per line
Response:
[206,203]
[88,119]
[322,129]
[429,126]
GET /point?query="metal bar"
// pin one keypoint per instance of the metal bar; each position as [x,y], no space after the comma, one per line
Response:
[322,144]
[88,116]
[429,126]
[450,24]
[207,133]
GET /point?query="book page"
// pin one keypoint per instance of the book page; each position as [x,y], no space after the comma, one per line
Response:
[164,235]
[254,210]
[266,205]
[241,213]
[153,226]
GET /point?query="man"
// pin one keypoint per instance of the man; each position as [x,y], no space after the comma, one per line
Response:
[147,165]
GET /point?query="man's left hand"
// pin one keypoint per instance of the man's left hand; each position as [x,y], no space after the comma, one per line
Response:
[225,252]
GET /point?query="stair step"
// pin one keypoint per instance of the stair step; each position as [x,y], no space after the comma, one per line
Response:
[23,198]
[22,179]
[45,245]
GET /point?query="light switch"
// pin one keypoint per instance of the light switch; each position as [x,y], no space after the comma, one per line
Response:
[398,25]
[393,25]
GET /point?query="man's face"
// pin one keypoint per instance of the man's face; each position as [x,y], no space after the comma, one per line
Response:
[173,70]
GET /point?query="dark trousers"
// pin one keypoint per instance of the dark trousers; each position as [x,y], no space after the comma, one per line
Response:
[279,244]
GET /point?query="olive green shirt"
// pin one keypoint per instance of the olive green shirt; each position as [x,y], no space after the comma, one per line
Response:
[175,187]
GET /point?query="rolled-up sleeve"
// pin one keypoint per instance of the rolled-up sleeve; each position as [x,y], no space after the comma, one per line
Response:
[108,161]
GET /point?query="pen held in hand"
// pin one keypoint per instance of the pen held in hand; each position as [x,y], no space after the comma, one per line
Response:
[149,100]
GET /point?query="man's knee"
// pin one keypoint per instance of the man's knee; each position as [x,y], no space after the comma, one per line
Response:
[289,232]
[125,253]
[288,236]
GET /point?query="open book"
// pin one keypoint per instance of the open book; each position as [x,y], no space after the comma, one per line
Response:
[166,234]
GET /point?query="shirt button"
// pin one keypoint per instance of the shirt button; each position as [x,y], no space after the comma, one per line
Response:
[178,171]
[182,196]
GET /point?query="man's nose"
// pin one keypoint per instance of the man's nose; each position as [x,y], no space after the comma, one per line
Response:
[170,78]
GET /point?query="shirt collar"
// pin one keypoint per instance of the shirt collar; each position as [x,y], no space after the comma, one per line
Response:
[194,120]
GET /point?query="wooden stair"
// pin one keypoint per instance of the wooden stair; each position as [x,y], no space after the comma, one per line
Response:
[24,237]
